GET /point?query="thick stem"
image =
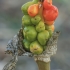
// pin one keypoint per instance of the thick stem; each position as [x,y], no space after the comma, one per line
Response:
[41,10]
[43,65]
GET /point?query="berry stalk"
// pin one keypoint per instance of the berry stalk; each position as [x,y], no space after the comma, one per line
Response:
[43,65]
[38,28]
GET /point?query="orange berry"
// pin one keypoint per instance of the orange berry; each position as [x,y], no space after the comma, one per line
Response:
[49,22]
[51,27]
[33,10]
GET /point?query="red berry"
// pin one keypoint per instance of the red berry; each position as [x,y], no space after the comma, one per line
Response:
[50,14]
[47,4]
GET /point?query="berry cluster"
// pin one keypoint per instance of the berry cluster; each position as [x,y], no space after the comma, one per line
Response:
[37,24]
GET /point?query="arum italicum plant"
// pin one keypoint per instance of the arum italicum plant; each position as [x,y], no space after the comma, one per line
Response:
[36,38]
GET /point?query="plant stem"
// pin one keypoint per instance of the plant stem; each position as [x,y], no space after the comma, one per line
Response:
[43,65]
[41,10]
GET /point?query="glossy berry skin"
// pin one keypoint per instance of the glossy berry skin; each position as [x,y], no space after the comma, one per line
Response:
[33,10]
[46,4]
[50,14]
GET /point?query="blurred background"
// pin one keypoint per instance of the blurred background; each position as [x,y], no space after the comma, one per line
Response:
[10,23]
